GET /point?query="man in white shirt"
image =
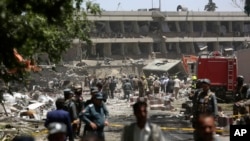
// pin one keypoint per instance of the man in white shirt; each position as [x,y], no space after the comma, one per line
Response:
[142,129]
[177,84]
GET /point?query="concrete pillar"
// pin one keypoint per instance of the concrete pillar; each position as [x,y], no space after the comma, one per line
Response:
[107,27]
[192,49]
[93,49]
[191,26]
[150,48]
[107,50]
[136,49]
[218,26]
[241,26]
[122,49]
[204,26]
[135,27]
[178,50]
[177,25]
[163,48]
[216,46]
[230,26]
[122,27]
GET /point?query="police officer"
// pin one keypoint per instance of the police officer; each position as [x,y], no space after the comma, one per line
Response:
[94,117]
[79,102]
[204,103]
[93,92]
[70,106]
[127,88]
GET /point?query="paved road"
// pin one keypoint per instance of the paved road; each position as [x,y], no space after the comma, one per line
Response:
[169,123]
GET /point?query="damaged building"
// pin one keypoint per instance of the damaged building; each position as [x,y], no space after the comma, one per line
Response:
[170,34]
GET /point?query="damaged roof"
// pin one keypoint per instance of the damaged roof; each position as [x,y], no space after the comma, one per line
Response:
[161,64]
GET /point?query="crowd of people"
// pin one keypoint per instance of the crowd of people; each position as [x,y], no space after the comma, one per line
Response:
[72,111]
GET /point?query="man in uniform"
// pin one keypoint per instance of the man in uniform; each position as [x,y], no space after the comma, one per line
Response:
[205,103]
[79,102]
[94,116]
[70,106]
[127,88]
[93,92]
[240,94]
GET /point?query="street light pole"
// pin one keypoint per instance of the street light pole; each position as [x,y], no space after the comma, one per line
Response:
[160,5]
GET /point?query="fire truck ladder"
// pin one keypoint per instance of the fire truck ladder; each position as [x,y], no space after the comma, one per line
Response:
[230,83]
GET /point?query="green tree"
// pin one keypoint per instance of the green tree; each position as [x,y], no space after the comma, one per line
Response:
[247,7]
[211,6]
[35,26]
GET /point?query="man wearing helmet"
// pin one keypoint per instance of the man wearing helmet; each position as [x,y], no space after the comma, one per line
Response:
[204,103]
[79,102]
[240,94]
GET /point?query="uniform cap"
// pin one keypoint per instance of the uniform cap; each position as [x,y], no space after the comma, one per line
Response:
[206,81]
[93,90]
[67,91]
[99,96]
[77,86]
[56,127]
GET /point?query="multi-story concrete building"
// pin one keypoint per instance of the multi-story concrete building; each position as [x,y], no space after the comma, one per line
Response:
[168,34]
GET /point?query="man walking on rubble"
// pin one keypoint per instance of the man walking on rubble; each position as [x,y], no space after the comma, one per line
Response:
[205,103]
[127,88]
[93,92]
[240,95]
[112,87]
[70,106]
[142,129]
[95,118]
[79,103]
[61,116]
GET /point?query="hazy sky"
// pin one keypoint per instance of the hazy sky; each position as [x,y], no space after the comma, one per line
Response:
[166,5]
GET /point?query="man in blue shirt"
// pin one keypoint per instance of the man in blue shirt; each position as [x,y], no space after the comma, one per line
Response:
[61,116]
[94,117]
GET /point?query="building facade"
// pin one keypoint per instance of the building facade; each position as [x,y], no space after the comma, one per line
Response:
[137,34]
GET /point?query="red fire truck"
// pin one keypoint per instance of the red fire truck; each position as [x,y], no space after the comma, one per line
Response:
[222,72]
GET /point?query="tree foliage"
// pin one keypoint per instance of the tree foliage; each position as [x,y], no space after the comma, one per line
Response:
[211,6]
[247,7]
[35,26]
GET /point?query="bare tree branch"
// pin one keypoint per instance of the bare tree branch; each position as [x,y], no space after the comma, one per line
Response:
[238,4]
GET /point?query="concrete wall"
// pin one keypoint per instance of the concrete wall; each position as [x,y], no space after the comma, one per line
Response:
[243,57]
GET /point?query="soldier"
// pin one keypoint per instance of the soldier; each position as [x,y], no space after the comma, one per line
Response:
[127,88]
[141,88]
[240,94]
[112,87]
[94,117]
[70,106]
[105,88]
[156,85]
[205,103]
[79,103]
[135,83]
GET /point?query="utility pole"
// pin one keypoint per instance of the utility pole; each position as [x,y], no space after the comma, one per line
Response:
[160,5]
[152,4]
